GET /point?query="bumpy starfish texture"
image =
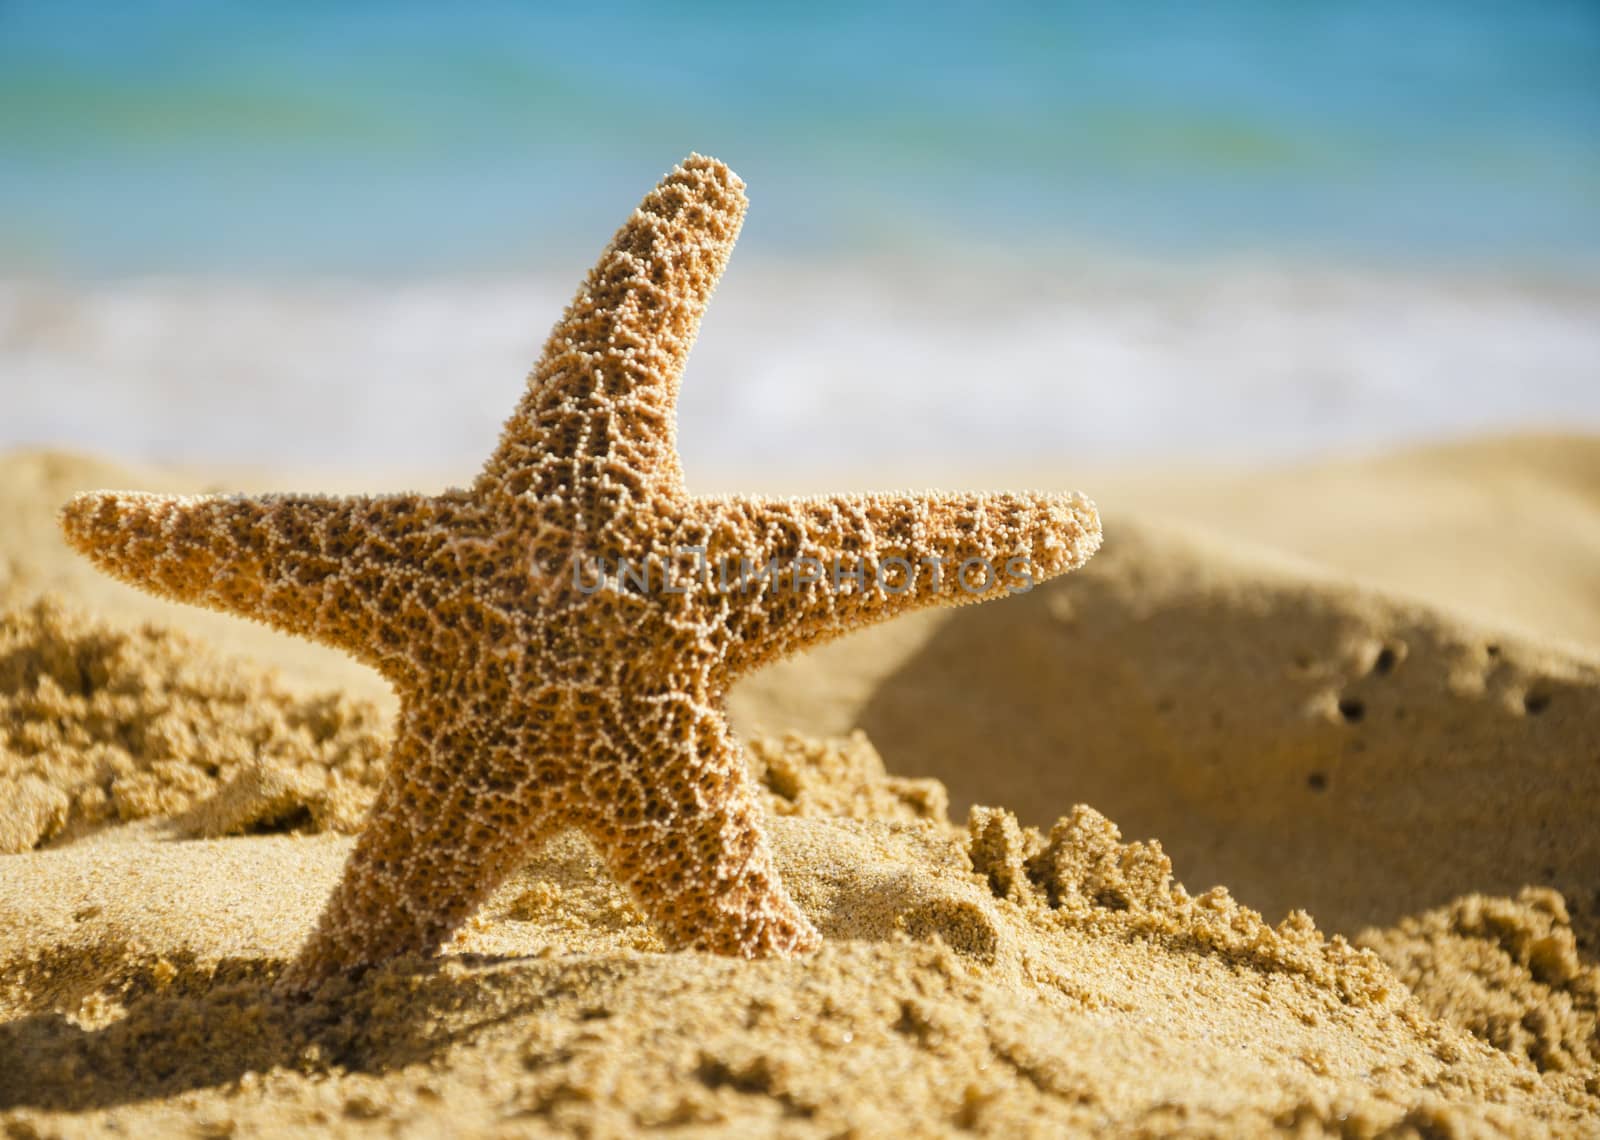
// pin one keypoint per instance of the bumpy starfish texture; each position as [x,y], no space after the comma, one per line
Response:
[560,633]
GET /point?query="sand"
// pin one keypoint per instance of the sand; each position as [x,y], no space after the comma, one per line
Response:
[1346,720]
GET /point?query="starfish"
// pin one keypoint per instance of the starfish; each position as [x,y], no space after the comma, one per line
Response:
[561,632]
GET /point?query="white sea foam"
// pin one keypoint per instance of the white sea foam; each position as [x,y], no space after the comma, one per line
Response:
[825,364]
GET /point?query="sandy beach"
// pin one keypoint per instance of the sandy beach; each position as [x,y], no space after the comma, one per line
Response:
[1277,816]
[384,750]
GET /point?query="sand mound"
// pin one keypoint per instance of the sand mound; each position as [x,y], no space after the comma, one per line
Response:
[1505,530]
[101,725]
[1508,970]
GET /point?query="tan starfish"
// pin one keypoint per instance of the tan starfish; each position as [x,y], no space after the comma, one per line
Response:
[561,633]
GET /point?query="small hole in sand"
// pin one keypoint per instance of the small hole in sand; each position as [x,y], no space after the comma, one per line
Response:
[293,818]
[1535,703]
[1385,662]
[1351,709]
[1317,781]
[1492,650]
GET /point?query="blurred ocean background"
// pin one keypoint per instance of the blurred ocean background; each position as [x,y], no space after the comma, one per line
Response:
[1020,234]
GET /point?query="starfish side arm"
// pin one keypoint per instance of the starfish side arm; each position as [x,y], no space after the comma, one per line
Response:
[602,399]
[821,567]
[282,560]
[683,833]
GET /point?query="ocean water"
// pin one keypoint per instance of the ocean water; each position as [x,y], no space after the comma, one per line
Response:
[336,235]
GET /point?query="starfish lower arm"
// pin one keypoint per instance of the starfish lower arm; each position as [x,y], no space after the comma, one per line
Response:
[683,833]
[405,888]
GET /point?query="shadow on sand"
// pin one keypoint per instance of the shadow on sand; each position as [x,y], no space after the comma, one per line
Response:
[1305,744]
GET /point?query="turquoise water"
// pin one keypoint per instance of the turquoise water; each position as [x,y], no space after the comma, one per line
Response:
[335,235]
[416,138]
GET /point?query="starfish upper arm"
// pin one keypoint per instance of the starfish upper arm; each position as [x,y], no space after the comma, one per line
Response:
[819,567]
[602,400]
